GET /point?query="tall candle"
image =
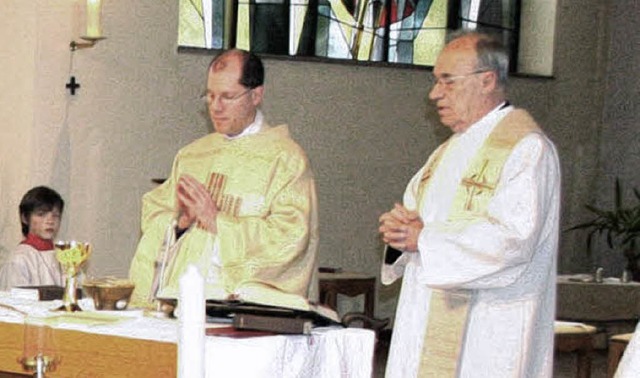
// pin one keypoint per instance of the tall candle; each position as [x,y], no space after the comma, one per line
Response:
[191,325]
[94,29]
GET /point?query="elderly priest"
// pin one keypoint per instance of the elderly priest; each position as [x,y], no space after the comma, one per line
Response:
[478,231]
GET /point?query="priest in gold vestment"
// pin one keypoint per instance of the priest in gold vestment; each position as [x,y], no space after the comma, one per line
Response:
[476,236]
[240,204]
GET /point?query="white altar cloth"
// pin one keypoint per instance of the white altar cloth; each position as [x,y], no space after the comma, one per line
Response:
[329,352]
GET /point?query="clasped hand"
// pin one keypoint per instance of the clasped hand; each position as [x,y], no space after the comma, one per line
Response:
[400,228]
[195,205]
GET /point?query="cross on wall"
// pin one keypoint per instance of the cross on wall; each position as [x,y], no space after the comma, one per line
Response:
[72,85]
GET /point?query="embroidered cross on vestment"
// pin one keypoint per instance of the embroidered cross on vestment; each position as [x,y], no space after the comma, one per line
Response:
[476,184]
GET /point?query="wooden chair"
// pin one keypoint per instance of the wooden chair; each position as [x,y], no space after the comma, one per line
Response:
[350,284]
[617,345]
[335,281]
[576,338]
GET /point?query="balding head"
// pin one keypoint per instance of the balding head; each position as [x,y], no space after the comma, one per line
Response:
[252,75]
[467,84]
[490,52]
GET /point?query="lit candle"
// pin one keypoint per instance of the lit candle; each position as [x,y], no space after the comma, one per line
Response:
[94,29]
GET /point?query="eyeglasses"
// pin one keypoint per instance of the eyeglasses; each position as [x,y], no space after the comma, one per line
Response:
[448,80]
[225,98]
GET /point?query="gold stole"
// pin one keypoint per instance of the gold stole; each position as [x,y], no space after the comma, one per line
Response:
[449,309]
[165,261]
[226,203]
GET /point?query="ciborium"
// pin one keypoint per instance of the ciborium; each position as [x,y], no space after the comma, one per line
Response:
[71,255]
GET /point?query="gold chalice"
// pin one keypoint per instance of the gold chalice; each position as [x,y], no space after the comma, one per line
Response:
[71,255]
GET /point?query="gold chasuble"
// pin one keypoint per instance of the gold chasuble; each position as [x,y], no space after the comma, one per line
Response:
[449,309]
[267,229]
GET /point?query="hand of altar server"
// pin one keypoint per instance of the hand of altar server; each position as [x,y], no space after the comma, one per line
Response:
[195,204]
[400,228]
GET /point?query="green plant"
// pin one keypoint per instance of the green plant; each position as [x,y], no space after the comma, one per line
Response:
[620,226]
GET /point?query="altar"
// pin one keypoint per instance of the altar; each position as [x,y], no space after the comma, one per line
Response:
[131,344]
[607,301]
[613,307]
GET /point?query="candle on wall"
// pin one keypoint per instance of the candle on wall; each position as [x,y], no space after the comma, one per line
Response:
[94,29]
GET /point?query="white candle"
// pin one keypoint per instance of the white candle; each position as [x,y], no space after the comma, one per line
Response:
[94,29]
[191,325]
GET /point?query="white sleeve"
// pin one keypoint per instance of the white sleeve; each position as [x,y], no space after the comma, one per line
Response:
[13,273]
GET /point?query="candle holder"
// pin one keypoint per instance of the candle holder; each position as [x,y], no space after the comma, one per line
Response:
[39,353]
[93,15]
[71,256]
[87,42]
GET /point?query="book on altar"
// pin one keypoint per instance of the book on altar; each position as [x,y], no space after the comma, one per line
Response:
[260,300]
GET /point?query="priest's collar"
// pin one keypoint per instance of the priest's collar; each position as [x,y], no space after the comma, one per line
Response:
[483,127]
[253,128]
[503,105]
[38,243]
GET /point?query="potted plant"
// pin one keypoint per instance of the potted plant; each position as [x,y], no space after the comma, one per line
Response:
[621,228]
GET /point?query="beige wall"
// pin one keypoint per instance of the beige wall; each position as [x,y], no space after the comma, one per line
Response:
[16,107]
[366,129]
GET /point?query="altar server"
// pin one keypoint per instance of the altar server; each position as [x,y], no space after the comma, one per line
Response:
[33,262]
[477,232]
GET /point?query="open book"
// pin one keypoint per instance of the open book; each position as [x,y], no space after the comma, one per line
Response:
[263,301]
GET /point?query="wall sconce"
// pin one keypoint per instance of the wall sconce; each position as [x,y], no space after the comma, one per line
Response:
[93,32]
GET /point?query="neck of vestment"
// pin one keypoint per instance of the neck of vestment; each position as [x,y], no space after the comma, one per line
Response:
[253,128]
[38,243]
[482,174]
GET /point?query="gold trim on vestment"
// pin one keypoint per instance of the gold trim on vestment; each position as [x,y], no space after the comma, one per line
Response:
[449,309]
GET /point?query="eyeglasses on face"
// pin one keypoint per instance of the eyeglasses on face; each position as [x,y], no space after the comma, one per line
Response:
[448,80]
[225,98]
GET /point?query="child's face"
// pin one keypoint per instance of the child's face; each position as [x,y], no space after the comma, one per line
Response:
[45,224]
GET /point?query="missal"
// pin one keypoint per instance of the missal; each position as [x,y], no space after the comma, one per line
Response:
[264,309]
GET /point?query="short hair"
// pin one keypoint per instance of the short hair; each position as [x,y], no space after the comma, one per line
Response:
[38,198]
[491,52]
[252,69]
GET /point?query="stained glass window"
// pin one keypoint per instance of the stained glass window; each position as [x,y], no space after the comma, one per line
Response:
[392,31]
[500,17]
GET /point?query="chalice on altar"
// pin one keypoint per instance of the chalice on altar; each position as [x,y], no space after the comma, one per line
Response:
[71,255]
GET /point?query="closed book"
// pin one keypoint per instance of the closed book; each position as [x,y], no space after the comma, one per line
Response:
[276,324]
